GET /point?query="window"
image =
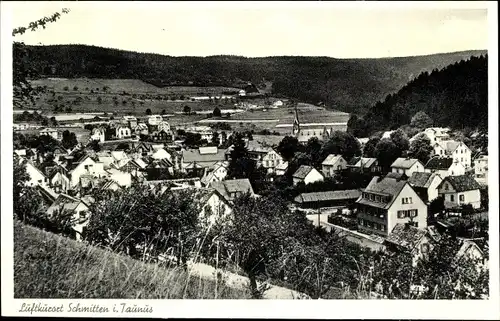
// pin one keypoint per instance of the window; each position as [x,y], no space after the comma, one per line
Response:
[461,198]
[86,167]
[411,202]
[452,198]
[377,198]
[446,187]
[461,159]
[81,214]
[401,214]
[339,167]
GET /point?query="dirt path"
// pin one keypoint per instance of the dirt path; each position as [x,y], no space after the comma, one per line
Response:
[235,280]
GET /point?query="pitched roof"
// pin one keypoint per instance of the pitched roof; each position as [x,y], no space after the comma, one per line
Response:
[366,162]
[303,171]
[328,196]
[331,159]
[282,166]
[439,163]
[233,186]
[406,236]
[388,186]
[467,245]
[405,163]
[193,155]
[160,163]
[450,145]
[420,179]
[461,183]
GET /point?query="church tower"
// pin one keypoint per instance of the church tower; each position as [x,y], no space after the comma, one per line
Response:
[296,123]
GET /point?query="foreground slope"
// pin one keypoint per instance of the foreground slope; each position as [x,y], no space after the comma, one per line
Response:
[51,266]
[349,85]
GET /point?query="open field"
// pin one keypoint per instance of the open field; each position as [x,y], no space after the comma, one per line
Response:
[131,86]
[51,266]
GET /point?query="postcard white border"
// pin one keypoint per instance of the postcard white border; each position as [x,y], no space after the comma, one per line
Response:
[376,309]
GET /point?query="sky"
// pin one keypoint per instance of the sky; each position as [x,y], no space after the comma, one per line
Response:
[354,30]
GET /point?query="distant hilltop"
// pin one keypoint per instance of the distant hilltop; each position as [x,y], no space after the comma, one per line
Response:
[349,85]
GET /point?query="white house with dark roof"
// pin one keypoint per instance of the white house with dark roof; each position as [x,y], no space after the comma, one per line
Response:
[407,166]
[458,151]
[388,201]
[218,173]
[425,184]
[307,175]
[98,134]
[364,164]
[123,132]
[88,167]
[444,166]
[460,190]
[333,164]
[79,208]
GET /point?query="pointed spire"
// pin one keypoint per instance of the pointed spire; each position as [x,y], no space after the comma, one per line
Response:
[296,123]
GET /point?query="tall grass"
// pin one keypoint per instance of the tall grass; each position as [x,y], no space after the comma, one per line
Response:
[51,266]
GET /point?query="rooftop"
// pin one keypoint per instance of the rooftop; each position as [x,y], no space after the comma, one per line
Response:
[331,159]
[405,163]
[303,171]
[328,196]
[406,236]
[233,186]
[439,163]
[420,179]
[462,183]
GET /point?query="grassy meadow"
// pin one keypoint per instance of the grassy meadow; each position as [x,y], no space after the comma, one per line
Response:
[51,266]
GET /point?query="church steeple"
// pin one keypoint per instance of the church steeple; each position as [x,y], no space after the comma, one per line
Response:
[296,123]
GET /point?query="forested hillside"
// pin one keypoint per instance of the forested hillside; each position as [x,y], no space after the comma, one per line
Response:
[350,85]
[456,96]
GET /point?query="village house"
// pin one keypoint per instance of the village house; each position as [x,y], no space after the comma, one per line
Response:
[123,132]
[281,169]
[135,167]
[271,160]
[205,132]
[86,166]
[218,173]
[407,166]
[155,120]
[98,134]
[388,201]
[143,149]
[201,158]
[159,169]
[336,199]
[458,151]
[124,179]
[214,206]
[161,153]
[444,167]
[435,134]
[165,126]
[161,136]
[129,121]
[411,240]
[460,190]
[58,178]
[470,250]
[364,164]
[68,204]
[36,176]
[306,174]
[120,158]
[426,185]
[481,169]
[333,165]
[52,132]
[231,189]
[140,129]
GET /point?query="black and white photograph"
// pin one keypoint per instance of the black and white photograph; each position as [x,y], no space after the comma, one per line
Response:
[309,153]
